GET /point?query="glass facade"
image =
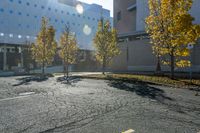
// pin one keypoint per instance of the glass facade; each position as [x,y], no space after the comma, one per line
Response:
[23,18]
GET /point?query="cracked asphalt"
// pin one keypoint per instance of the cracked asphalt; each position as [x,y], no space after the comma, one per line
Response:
[95,106]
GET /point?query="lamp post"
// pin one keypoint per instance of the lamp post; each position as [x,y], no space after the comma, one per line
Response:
[190,47]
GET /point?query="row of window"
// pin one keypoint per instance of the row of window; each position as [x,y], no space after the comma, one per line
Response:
[35,16]
[9,50]
[56,10]
[28,26]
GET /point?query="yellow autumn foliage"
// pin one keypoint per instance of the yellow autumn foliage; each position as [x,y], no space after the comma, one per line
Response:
[44,49]
[171,29]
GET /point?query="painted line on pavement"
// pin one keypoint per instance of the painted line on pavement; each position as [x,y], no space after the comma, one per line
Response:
[129,131]
[13,98]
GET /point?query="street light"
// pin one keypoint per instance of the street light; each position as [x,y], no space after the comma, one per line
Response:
[190,47]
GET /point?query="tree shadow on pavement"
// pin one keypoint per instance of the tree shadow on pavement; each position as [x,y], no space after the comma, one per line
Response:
[140,88]
[193,86]
[28,80]
[70,81]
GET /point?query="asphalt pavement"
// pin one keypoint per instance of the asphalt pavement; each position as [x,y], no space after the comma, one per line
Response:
[29,105]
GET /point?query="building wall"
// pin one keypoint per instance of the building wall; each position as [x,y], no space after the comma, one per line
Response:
[120,62]
[136,54]
[135,20]
[142,13]
[20,20]
[128,18]
[195,11]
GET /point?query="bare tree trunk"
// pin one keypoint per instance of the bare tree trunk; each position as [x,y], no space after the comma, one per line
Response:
[104,65]
[67,68]
[64,67]
[172,66]
[43,65]
[43,62]
[158,67]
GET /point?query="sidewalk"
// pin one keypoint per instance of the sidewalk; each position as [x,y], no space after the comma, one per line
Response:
[6,74]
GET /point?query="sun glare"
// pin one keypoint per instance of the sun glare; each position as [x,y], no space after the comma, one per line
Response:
[87,30]
[79,8]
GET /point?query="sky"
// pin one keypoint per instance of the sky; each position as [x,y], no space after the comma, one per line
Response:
[107,4]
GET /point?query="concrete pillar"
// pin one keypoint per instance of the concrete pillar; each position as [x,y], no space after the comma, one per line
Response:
[4,58]
[21,56]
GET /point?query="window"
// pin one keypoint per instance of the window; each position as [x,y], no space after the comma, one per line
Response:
[49,8]
[19,1]
[2,10]
[27,15]
[119,16]
[8,50]
[35,5]
[19,13]
[56,10]
[11,11]
[12,50]
[27,3]
[11,0]
[62,11]
[28,26]
[42,7]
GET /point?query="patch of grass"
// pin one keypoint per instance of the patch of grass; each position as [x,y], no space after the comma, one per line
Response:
[40,74]
[159,80]
[58,74]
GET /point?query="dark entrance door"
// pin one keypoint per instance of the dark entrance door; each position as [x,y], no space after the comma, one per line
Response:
[1,61]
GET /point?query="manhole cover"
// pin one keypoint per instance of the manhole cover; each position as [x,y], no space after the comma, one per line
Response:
[26,93]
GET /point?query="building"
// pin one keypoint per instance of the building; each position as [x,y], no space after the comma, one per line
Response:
[136,55]
[20,23]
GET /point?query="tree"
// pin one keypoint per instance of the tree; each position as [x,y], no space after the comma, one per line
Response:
[154,28]
[68,50]
[105,42]
[171,29]
[44,49]
[27,55]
